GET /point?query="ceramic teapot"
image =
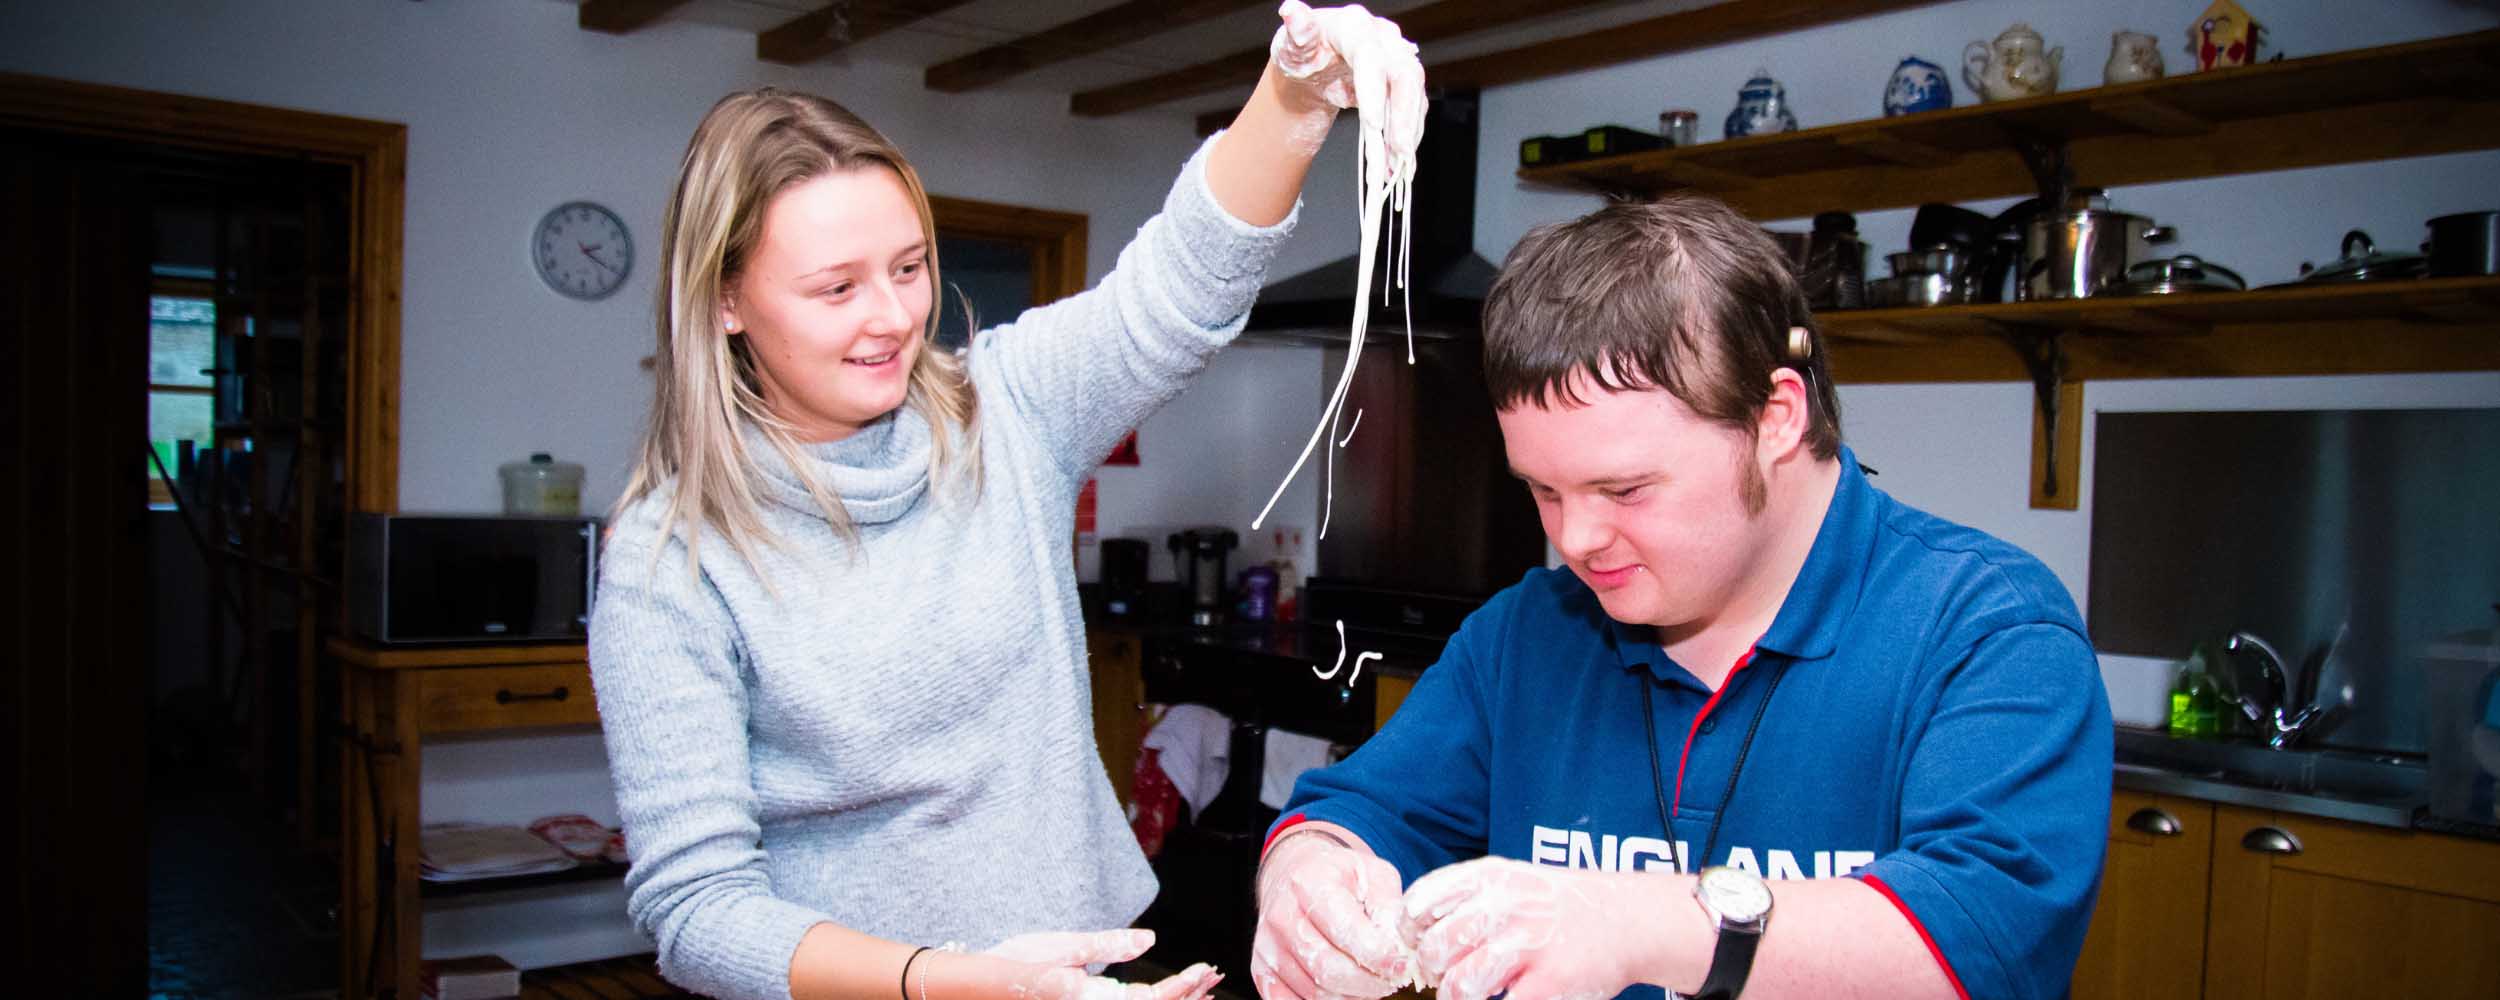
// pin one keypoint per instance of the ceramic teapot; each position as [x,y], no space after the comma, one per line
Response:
[2133,56]
[1917,85]
[1761,108]
[2014,66]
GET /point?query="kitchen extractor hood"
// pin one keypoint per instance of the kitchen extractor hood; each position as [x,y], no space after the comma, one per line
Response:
[1447,278]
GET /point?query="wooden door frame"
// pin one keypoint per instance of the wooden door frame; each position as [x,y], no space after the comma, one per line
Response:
[1057,239]
[375,152]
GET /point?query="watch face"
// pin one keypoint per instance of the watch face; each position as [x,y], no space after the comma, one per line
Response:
[1736,894]
[583,250]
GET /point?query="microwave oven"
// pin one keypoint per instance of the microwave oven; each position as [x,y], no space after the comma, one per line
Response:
[446,578]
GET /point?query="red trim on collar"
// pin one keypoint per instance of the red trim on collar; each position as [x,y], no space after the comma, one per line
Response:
[1680,759]
[1923,936]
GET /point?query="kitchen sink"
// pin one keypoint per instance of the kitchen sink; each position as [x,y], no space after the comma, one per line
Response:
[2370,788]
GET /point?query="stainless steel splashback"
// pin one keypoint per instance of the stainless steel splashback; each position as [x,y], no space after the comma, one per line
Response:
[2295,525]
[1424,498]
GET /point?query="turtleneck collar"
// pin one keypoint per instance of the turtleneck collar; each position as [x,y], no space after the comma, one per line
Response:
[878,472]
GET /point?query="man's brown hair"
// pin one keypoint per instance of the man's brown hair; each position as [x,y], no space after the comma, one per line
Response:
[1680,293]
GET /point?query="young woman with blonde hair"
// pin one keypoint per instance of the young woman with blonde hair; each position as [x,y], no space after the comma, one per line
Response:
[837,647]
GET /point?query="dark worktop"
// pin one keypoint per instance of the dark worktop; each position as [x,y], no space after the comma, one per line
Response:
[2378,789]
[1312,643]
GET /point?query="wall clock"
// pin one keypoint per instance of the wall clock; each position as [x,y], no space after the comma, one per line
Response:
[583,250]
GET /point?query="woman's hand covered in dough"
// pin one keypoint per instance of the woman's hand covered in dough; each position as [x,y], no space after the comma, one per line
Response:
[1344,57]
[1055,963]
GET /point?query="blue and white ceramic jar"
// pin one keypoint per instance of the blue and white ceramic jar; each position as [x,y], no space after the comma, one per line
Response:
[1917,85]
[1761,108]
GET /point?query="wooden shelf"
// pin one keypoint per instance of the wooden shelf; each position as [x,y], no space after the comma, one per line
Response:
[634,977]
[2442,324]
[376,656]
[588,871]
[2414,99]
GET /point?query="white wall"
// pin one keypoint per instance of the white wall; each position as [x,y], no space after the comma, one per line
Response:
[513,109]
[1963,451]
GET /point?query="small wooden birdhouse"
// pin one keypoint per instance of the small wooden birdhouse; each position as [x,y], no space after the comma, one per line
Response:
[2224,35]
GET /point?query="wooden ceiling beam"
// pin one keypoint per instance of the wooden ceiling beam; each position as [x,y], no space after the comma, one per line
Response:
[618,17]
[1106,29]
[825,30]
[1683,31]
[1718,24]
[1431,22]
[1241,69]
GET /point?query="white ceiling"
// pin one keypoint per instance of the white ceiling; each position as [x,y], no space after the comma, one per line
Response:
[984,23]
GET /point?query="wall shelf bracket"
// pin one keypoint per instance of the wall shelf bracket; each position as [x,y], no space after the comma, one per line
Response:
[2052,171]
[2057,438]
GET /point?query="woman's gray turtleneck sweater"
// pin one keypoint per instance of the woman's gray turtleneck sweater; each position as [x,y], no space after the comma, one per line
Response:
[896,737]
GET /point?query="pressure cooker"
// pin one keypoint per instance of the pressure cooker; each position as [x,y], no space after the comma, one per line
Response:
[2084,250]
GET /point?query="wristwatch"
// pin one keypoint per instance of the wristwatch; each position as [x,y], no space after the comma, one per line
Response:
[1740,904]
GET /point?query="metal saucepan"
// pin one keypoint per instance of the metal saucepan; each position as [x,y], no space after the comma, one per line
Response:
[2183,274]
[2362,261]
[1944,259]
[1932,289]
[1917,290]
[2084,252]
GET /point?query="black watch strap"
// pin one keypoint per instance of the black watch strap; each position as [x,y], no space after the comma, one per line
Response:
[1729,964]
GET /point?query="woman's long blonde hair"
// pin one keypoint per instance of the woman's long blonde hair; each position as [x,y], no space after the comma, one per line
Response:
[750,147]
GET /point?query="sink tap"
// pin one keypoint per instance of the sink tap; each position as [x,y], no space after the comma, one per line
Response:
[2285,722]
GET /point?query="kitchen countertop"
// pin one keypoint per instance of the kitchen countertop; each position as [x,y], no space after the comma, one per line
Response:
[2379,790]
[1314,643]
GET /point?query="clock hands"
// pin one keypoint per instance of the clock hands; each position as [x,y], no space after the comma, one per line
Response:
[590,250]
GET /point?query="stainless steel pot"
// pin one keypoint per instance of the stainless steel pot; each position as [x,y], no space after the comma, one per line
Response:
[1932,290]
[1917,290]
[2363,261]
[2085,252]
[1944,259]
[2180,275]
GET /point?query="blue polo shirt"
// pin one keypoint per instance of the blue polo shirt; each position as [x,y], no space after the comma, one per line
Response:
[1931,721]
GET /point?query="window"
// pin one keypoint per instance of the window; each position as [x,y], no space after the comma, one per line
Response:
[182,394]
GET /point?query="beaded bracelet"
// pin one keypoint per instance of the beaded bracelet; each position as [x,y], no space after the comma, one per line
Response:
[906,983]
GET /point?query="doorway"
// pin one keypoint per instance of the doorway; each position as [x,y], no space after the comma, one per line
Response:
[1002,260]
[202,356]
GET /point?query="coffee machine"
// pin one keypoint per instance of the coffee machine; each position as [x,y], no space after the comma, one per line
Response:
[1199,555]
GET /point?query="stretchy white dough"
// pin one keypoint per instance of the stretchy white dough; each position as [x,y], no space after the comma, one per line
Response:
[1381,191]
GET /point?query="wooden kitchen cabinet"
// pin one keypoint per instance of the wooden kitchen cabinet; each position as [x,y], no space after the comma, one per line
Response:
[391,700]
[1119,696]
[2147,940]
[2316,908]
[2224,902]
[1388,692]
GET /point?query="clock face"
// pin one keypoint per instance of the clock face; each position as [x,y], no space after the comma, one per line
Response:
[583,250]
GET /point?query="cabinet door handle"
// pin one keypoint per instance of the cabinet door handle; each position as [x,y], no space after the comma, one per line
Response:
[2153,821]
[2271,840]
[504,696]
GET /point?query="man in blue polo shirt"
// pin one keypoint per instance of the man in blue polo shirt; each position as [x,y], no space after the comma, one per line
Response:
[1772,732]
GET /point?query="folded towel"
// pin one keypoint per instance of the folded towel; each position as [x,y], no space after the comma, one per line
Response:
[1288,755]
[1195,749]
